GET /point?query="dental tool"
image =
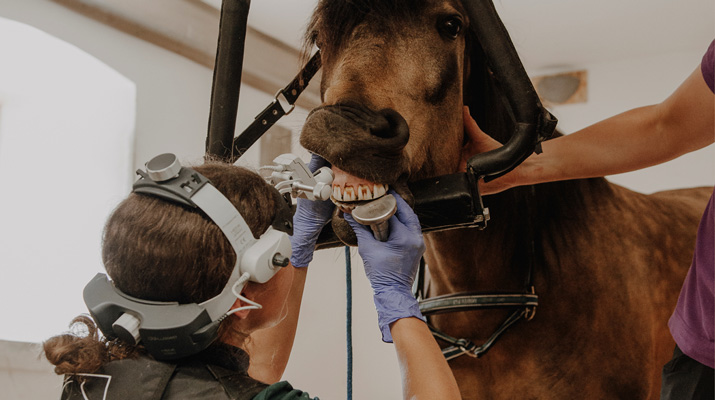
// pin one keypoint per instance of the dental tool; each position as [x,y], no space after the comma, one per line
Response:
[376,214]
[291,175]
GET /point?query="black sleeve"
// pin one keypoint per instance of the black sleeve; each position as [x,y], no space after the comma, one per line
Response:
[283,391]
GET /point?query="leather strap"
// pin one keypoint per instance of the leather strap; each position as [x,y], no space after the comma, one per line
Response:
[465,346]
[526,303]
[274,111]
[474,301]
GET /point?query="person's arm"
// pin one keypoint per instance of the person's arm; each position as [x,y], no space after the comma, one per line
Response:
[635,139]
[391,267]
[270,348]
[425,372]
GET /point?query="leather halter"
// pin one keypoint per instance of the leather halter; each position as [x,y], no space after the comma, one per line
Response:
[274,111]
[524,304]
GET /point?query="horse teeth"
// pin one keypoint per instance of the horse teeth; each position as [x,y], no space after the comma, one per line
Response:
[364,193]
[349,194]
[359,193]
[379,190]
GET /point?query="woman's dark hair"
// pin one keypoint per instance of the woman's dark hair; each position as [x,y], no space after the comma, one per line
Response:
[157,250]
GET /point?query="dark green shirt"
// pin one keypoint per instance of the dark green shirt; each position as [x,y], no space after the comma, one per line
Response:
[218,373]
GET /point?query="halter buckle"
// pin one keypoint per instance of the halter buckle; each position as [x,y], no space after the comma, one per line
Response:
[279,102]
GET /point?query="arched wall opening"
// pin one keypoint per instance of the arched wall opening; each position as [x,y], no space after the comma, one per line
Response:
[66,155]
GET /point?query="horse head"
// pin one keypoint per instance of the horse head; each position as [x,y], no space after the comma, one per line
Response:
[395,78]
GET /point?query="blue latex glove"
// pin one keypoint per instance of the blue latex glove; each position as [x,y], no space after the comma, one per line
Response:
[391,266]
[309,219]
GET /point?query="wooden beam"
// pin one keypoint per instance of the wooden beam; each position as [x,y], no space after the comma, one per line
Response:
[190,28]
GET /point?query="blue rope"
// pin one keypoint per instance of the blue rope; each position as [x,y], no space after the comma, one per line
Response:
[349,319]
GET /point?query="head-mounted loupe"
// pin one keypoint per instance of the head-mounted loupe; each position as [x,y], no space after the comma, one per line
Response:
[170,330]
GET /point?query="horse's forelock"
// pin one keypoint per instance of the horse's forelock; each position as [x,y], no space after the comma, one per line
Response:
[333,21]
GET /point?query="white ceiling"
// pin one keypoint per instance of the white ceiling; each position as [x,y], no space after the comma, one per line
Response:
[553,34]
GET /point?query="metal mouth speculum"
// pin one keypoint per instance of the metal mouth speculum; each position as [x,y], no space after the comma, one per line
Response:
[376,214]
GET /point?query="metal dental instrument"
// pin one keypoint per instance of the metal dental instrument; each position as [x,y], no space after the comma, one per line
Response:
[375,214]
[291,175]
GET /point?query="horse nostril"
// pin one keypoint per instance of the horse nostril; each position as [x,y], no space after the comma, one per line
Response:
[385,124]
[390,125]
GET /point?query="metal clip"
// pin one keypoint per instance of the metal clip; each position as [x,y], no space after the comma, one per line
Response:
[530,311]
[276,100]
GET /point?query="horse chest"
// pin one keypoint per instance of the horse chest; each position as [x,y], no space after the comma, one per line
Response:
[599,319]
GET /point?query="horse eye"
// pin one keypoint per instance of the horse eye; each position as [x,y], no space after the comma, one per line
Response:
[314,38]
[452,26]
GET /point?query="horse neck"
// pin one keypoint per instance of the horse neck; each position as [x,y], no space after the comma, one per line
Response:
[501,257]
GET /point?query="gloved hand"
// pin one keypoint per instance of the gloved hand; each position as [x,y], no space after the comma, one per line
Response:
[309,219]
[391,266]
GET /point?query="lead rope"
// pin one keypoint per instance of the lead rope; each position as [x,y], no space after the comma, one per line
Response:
[349,320]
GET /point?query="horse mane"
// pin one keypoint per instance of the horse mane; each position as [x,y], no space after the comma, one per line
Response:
[544,213]
[333,21]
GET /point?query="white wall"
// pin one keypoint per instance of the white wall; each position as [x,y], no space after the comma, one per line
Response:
[171,102]
[173,93]
[617,86]
[56,103]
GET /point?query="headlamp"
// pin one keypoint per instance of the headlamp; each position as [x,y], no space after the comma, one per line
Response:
[170,330]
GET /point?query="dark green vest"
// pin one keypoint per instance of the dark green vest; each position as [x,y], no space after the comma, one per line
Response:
[217,373]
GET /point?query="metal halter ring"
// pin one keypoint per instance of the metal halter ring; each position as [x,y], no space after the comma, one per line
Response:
[275,100]
[467,347]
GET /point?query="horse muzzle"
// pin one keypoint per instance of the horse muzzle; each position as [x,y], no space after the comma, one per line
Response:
[362,142]
[365,147]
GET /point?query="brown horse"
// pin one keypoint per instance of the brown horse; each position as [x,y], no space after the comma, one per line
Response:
[608,263]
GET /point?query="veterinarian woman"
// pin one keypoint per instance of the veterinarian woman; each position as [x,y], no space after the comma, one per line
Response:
[636,139]
[156,250]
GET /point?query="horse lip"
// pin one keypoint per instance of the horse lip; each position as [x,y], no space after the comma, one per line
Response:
[339,135]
